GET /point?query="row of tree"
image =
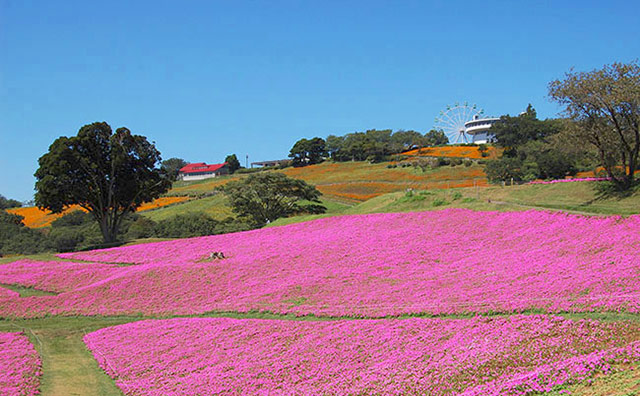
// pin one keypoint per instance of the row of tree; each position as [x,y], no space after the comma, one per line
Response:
[373,145]
[601,130]
[534,149]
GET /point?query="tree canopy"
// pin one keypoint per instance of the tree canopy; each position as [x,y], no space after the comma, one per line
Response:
[605,105]
[375,145]
[108,174]
[308,151]
[232,163]
[435,138]
[267,196]
[6,203]
[172,167]
[530,151]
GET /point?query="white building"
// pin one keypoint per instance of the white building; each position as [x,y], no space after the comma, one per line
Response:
[200,170]
[478,128]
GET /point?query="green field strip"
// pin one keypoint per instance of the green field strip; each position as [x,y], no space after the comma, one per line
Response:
[26,291]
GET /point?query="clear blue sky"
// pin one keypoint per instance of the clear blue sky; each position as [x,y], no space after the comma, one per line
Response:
[207,78]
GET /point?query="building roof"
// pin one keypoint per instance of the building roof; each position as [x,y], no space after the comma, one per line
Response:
[201,167]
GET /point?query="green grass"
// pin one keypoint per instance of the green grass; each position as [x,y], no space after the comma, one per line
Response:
[623,383]
[576,196]
[67,365]
[215,206]
[27,291]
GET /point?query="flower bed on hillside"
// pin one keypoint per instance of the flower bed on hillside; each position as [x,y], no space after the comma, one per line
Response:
[480,356]
[581,179]
[20,366]
[440,262]
[471,152]
[36,218]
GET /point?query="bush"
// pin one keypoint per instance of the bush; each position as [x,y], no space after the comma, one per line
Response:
[196,224]
[142,227]
[75,218]
[439,202]
[15,238]
[468,163]
[66,239]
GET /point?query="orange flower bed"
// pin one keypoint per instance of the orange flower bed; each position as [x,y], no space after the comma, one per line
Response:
[471,152]
[160,202]
[36,218]
[362,191]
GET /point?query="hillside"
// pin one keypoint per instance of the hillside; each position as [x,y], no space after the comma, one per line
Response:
[455,300]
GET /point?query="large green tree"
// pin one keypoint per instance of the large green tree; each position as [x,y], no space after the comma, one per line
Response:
[108,174]
[605,105]
[232,163]
[267,196]
[308,151]
[435,138]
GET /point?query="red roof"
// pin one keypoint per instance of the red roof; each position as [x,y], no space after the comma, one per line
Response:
[201,167]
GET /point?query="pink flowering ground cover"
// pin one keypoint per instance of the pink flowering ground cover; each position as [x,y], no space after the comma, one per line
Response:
[479,356]
[8,293]
[55,276]
[20,366]
[444,262]
[583,179]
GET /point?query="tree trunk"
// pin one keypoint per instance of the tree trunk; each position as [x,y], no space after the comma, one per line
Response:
[108,233]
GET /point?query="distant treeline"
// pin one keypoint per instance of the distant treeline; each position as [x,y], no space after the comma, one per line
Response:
[6,203]
[373,145]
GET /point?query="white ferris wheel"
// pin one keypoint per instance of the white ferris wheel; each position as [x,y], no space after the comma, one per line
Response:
[452,121]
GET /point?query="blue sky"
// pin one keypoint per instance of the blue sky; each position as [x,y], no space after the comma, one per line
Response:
[207,78]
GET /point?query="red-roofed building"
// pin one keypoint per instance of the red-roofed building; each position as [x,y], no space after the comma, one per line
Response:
[200,170]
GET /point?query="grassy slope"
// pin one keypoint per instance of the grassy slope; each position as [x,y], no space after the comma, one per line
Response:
[215,206]
[577,197]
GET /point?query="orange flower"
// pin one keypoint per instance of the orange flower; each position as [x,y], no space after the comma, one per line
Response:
[36,218]
[453,151]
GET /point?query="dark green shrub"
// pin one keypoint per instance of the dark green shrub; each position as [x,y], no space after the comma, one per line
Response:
[439,202]
[142,227]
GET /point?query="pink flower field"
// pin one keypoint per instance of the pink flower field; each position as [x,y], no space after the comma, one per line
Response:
[55,276]
[20,366]
[481,356]
[443,262]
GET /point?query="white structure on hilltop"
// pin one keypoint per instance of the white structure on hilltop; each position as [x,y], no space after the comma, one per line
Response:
[478,128]
[463,123]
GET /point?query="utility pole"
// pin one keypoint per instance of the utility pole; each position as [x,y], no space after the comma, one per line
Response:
[246,164]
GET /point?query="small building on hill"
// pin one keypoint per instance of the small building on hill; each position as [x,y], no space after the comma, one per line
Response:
[201,170]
